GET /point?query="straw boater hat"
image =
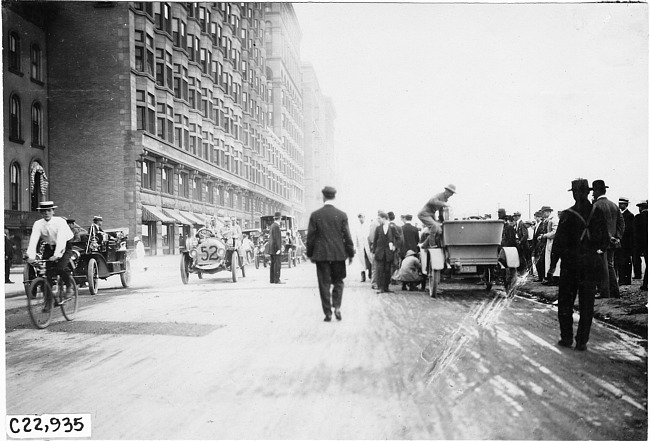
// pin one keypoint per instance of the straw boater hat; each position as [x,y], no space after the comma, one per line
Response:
[623,200]
[96,218]
[47,205]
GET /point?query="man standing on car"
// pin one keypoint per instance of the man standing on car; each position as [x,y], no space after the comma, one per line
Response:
[275,248]
[329,243]
[54,231]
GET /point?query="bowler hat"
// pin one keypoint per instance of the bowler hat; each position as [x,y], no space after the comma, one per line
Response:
[329,192]
[516,213]
[623,200]
[70,221]
[580,185]
[545,208]
[451,187]
[47,205]
[642,203]
[598,184]
[408,217]
[277,215]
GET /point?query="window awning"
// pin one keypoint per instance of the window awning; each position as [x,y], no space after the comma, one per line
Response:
[193,218]
[153,214]
[179,219]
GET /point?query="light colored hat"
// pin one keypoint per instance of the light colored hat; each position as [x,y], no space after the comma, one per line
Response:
[623,200]
[410,253]
[96,218]
[451,187]
[137,239]
[46,205]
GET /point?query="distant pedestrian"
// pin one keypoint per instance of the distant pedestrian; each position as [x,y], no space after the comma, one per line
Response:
[362,247]
[9,256]
[399,245]
[329,243]
[641,238]
[615,228]
[275,249]
[552,275]
[623,255]
[539,254]
[581,236]
[521,234]
[384,249]
[411,235]
[371,237]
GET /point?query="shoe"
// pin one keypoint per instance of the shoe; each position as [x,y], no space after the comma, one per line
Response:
[387,290]
[363,277]
[566,344]
[328,318]
[600,296]
[68,292]
[281,283]
[373,286]
[581,346]
[337,314]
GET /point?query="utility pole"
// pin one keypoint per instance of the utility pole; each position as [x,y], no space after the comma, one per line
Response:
[529,206]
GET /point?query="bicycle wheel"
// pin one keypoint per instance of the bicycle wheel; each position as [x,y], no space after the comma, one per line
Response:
[70,304]
[39,303]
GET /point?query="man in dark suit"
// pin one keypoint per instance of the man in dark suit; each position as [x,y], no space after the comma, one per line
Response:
[384,249]
[540,243]
[521,234]
[615,227]
[397,259]
[411,235]
[641,238]
[275,248]
[581,236]
[623,256]
[329,243]
[9,256]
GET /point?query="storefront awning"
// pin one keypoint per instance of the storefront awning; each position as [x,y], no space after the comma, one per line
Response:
[179,219]
[193,218]
[153,214]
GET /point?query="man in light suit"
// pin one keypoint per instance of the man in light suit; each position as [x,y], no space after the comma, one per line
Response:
[615,228]
[362,247]
[329,243]
[623,255]
[275,248]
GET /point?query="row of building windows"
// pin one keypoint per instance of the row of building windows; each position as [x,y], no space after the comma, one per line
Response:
[15,58]
[16,121]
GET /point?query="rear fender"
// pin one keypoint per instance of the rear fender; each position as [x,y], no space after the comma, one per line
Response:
[509,257]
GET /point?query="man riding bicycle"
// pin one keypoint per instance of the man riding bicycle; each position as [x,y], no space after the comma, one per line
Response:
[56,233]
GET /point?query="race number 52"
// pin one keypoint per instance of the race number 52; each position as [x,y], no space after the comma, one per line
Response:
[60,425]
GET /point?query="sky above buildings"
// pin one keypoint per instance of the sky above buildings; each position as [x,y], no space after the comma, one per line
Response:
[510,102]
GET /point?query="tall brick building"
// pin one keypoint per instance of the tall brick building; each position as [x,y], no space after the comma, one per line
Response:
[161,117]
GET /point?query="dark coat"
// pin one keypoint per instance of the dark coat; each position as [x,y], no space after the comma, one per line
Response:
[627,241]
[9,249]
[275,238]
[641,232]
[411,238]
[509,236]
[328,235]
[380,247]
[539,246]
[522,234]
[613,217]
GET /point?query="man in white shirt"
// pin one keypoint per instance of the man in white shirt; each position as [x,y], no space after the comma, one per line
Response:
[56,233]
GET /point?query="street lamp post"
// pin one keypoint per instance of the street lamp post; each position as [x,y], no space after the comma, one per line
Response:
[529,205]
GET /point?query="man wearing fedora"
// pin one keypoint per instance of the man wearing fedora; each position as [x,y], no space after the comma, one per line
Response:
[54,231]
[329,243]
[275,248]
[623,255]
[641,238]
[580,237]
[432,213]
[615,227]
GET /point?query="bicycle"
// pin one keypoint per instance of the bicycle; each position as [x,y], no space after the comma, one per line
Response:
[41,298]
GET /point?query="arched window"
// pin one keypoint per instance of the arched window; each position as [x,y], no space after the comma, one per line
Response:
[14,52]
[15,186]
[36,63]
[14,118]
[37,125]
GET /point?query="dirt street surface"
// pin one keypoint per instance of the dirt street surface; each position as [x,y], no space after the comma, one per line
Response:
[215,359]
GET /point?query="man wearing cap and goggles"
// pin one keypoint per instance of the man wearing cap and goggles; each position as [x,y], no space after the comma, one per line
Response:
[54,231]
[434,207]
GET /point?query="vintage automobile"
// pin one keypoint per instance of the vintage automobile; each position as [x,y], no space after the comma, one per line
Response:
[101,255]
[208,254]
[287,228]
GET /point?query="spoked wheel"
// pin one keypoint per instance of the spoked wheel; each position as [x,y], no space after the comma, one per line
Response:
[234,263]
[39,303]
[92,276]
[185,269]
[69,305]
[125,277]
[434,280]
[487,278]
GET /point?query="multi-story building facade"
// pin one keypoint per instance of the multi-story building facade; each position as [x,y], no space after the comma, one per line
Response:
[158,116]
[283,36]
[319,143]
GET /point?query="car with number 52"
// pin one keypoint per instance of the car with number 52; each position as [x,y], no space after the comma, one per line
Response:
[206,253]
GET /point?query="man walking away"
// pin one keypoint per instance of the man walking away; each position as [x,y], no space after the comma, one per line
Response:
[615,228]
[581,236]
[275,248]
[329,243]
